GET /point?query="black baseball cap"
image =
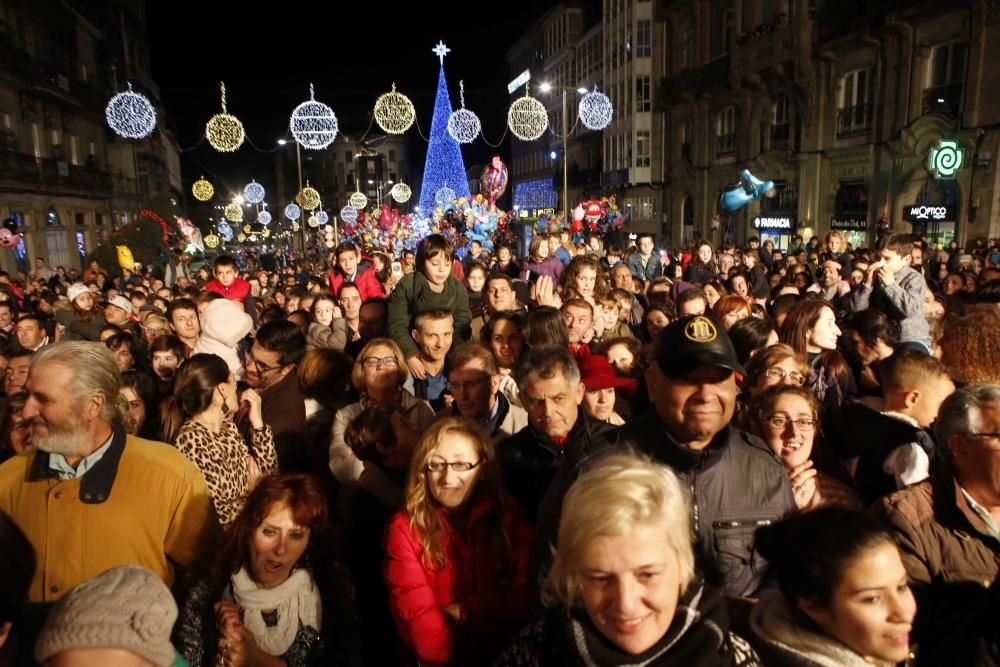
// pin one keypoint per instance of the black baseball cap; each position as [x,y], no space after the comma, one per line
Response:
[693,342]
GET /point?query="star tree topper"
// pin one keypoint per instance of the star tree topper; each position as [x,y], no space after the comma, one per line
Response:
[441,51]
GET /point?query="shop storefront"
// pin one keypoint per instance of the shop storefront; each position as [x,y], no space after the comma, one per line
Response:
[850,216]
[778,219]
[935,212]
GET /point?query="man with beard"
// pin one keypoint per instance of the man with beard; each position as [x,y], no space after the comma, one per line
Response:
[91,497]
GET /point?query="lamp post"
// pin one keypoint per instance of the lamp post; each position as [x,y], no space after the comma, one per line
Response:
[546,87]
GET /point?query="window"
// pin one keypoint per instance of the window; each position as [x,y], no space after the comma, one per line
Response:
[854,115]
[642,148]
[99,219]
[947,64]
[348,157]
[685,138]
[727,31]
[781,125]
[83,71]
[725,131]
[643,94]
[392,156]
[51,217]
[58,249]
[6,120]
[36,140]
[80,219]
[644,38]
[684,46]
[74,156]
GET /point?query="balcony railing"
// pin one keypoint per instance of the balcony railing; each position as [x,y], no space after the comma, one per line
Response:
[946,99]
[713,73]
[855,121]
[48,174]
[725,144]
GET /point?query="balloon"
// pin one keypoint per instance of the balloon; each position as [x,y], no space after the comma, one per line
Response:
[125,259]
[750,188]
[10,224]
[578,213]
[8,239]
[493,182]
[594,211]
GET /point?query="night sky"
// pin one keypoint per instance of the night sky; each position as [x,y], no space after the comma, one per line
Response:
[352,52]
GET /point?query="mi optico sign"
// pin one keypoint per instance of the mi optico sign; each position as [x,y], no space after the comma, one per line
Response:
[945,158]
[928,212]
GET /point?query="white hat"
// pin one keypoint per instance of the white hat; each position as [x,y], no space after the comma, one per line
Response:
[75,290]
[121,302]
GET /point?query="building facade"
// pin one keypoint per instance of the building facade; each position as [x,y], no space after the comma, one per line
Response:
[870,117]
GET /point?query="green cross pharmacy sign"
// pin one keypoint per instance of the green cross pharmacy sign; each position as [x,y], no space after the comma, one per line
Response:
[945,158]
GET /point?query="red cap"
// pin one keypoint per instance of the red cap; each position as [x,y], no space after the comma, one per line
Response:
[596,373]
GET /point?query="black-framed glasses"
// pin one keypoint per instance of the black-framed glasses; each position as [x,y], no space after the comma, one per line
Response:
[796,378]
[457,466]
[802,425]
[375,362]
[260,366]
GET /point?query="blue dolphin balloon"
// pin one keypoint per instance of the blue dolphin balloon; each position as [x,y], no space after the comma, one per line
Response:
[750,188]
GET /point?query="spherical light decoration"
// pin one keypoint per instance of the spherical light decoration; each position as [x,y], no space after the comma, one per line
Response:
[264,218]
[313,221]
[241,237]
[349,214]
[253,193]
[246,229]
[463,125]
[266,233]
[527,118]
[234,212]
[225,230]
[211,241]
[358,200]
[130,115]
[323,216]
[202,189]
[224,131]
[253,238]
[394,112]
[309,198]
[445,198]
[401,192]
[596,111]
[293,212]
[295,226]
[313,124]
[328,230]
[329,243]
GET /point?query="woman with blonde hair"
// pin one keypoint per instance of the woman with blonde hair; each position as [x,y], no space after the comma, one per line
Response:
[379,374]
[623,588]
[457,555]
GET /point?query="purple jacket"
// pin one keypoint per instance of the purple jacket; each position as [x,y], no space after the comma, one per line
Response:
[550,266]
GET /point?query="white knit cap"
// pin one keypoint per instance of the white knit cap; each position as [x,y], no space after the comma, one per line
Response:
[121,302]
[75,290]
[127,607]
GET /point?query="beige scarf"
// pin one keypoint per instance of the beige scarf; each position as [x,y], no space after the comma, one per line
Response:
[296,601]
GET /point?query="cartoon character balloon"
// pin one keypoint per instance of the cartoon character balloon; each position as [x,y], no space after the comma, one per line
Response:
[125,259]
[8,239]
[750,188]
[594,211]
[493,182]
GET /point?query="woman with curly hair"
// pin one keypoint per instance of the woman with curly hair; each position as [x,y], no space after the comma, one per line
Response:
[970,346]
[583,279]
[457,555]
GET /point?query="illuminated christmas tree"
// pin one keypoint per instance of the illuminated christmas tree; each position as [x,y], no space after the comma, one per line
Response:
[444,164]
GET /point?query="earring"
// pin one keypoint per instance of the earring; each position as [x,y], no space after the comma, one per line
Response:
[225,406]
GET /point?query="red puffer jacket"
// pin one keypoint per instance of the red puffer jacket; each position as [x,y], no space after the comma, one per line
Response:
[495,604]
[365,280]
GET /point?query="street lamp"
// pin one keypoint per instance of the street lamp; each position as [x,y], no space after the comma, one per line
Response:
[546,87]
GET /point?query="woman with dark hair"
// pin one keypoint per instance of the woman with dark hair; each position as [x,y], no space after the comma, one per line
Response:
[15,430]
[583,279]
[276,594]
[83,321]
[844,597]
[750,335]
[198,420]
[703,266]
[128,352]
[503,336]
[540,262]
[138,390]
[656,318]
[457,555]
[810,328]
[475,280]
[545,326]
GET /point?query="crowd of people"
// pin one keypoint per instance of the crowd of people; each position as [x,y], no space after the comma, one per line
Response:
[600,453]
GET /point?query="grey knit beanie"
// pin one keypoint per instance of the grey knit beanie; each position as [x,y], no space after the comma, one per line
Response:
[127,607]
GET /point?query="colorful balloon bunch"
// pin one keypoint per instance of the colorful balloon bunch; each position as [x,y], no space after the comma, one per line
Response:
[470,219]
[597,216]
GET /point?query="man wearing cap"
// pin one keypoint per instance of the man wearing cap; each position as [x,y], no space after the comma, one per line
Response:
[736,483]
[474,380]
[118,311]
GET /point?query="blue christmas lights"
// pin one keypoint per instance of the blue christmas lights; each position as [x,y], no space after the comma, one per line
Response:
[535,194]
[444,164]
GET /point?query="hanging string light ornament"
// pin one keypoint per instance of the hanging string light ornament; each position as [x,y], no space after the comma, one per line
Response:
[596,111]
[253,193]
[253,238]
[225,230]
[445,197]
[202,189]
[266,233]
[234,212]
[323,216]
[401,192]
[313,221]
[463,125]
[394,112]
[313,124]
[358,200]
[293,212]
[308,198]
[241,237]
[211,241]
[295,226]
[527,118]
[349,214]
[130,115]
[247,228]
[264,218]
[224,131]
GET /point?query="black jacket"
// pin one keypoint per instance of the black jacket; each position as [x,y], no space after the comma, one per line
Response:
[735,485]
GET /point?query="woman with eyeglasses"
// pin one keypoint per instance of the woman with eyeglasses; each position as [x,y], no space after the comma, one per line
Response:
[457,554]
[786,417]
[379,374]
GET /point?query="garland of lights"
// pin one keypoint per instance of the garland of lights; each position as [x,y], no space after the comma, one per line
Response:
[309,198]
[264,218]
[130,115]
[349,214]
[224,131]
[293,212]
[463,125]
[401,192]
[313,124]
[358,200]
[527,118]
[202,189]
[234,212]
[394,112]
[596,110]
[253,193]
